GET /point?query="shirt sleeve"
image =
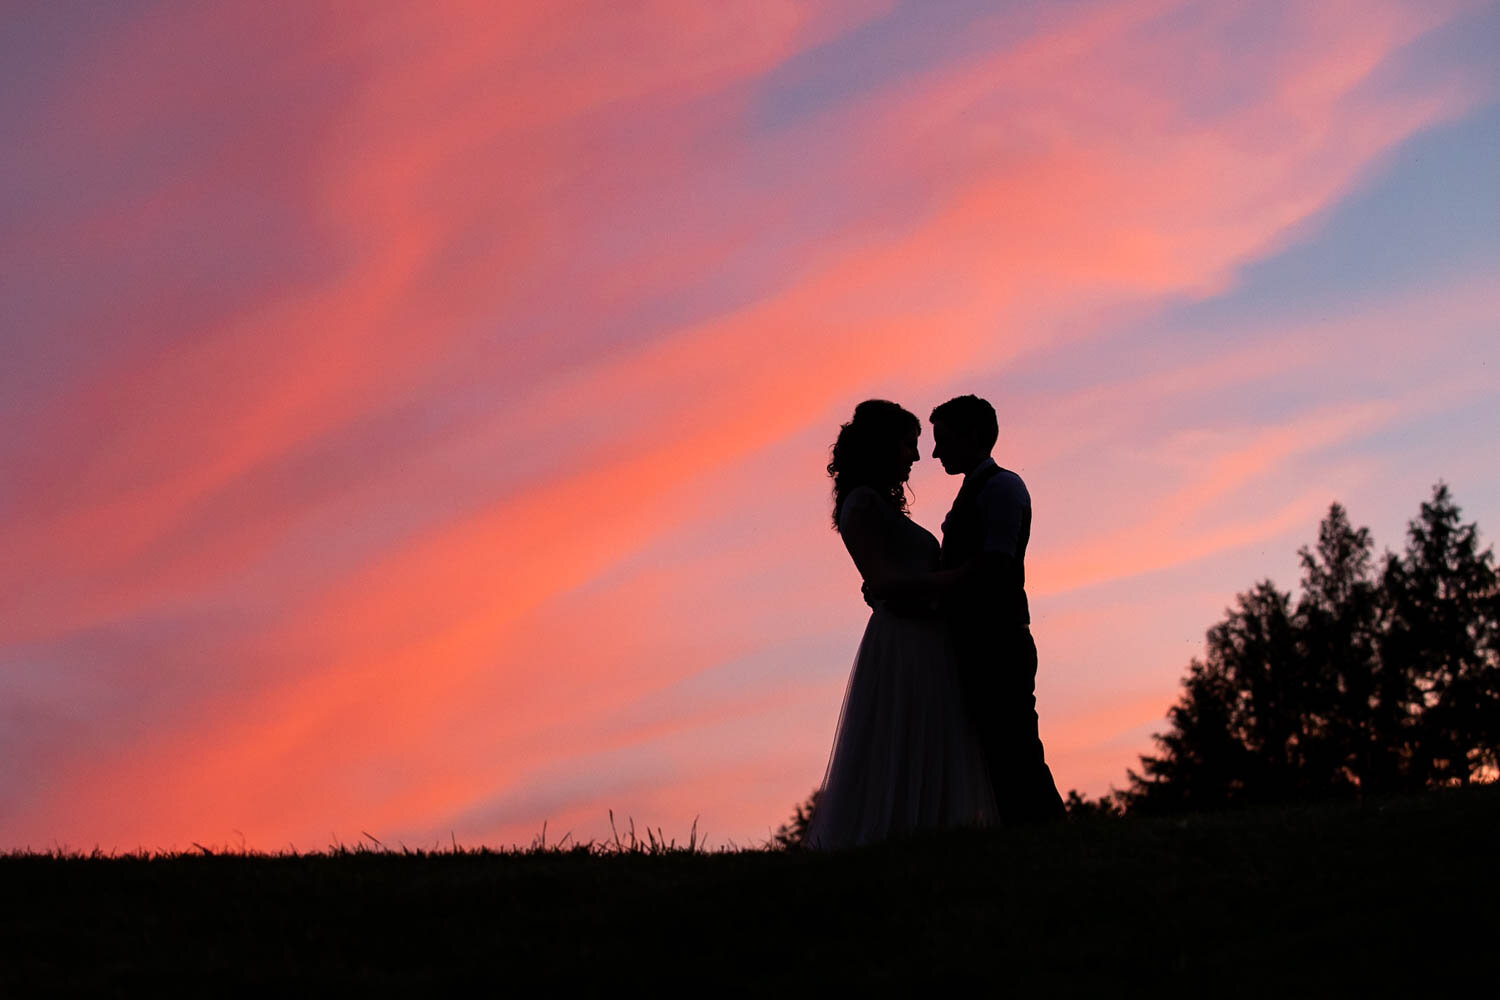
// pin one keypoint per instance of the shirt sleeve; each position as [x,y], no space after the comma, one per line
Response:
[1005,506]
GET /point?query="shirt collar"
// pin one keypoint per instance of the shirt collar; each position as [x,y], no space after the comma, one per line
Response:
[988,463]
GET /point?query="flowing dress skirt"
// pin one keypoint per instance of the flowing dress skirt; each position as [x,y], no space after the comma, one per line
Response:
[904,758]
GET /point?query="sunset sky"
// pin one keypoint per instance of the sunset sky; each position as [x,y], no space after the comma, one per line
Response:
[413,415]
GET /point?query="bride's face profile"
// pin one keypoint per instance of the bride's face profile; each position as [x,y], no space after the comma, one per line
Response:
[909,454]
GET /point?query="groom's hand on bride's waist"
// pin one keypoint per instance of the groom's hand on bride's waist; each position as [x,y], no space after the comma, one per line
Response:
[901,607]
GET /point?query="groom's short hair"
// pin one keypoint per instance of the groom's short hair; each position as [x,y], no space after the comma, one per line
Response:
[969,414]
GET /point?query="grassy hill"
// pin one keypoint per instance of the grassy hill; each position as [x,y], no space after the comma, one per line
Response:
[1330,899]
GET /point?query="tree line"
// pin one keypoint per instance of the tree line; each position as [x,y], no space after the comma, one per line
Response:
[1380,675]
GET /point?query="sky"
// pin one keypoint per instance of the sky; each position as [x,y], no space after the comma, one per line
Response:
[413,416]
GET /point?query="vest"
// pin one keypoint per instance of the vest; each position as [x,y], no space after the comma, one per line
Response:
[999,601]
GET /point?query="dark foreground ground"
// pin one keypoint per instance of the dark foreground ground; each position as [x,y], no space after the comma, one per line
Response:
[1379,897]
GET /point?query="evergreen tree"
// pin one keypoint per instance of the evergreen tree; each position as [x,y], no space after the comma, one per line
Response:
[1442,634]
[1336,623]
[1231,738]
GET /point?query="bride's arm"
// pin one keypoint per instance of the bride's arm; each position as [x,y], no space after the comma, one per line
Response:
[979,574]
[921,587]
[865,528]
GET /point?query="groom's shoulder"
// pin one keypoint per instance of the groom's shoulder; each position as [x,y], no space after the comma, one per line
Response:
[1007,485]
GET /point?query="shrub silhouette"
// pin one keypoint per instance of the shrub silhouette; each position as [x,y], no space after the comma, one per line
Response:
[789,835]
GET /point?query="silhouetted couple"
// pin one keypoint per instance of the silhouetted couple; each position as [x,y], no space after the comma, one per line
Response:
[939,724]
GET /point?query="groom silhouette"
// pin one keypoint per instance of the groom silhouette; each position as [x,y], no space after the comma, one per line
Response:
[987,531]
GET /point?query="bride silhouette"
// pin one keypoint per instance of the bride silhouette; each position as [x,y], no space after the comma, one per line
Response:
[904,758]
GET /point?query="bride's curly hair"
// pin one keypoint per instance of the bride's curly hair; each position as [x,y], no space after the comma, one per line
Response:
[866,453]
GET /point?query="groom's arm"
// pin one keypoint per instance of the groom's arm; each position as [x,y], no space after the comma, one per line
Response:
[910,597]
[918,595]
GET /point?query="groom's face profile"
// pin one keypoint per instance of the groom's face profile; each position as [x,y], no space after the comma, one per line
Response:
[956,448]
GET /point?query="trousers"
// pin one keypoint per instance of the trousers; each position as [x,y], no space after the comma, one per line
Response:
[997,670]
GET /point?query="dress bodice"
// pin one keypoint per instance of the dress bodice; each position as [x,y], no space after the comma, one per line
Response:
[870,525]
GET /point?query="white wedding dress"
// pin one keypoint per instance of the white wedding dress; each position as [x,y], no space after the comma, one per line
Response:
[904,756]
